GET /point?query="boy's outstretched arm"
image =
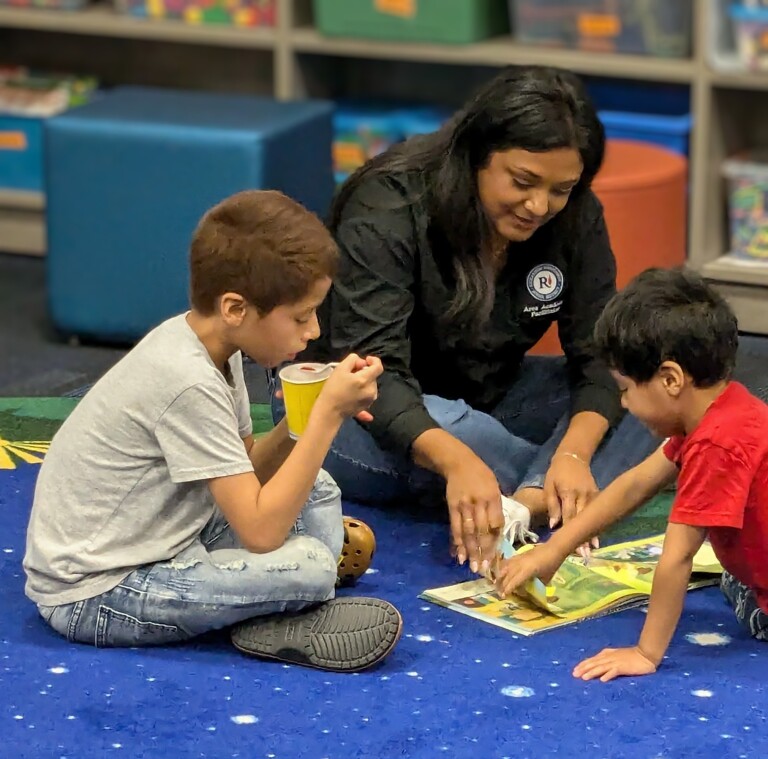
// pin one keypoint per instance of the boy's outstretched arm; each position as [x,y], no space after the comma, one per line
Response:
[670,584]
[623,496]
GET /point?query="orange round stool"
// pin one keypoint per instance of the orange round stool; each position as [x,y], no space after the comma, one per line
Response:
[643,189]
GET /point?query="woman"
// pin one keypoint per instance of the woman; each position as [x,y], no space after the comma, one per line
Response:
[459,249]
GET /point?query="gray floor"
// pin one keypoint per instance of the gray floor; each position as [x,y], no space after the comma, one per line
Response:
[34,362]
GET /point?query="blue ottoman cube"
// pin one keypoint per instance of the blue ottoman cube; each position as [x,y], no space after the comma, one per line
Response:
[129,176]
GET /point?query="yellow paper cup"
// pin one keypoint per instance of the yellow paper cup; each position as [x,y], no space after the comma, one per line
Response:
[302,384]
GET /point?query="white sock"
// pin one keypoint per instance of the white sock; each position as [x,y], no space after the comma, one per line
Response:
[517,522]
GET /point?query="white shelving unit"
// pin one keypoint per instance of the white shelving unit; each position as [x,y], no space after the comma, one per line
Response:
[294,60]
[22,222]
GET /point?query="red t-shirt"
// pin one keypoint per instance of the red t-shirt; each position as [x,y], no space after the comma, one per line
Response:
[723,484]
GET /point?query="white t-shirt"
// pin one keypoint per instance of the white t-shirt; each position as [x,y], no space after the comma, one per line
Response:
[125,481]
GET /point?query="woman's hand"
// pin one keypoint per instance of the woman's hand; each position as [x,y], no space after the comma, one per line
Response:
[568,487]
[615,662]
[474,508]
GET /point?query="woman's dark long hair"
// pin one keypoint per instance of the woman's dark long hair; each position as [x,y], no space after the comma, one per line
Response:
[527,107]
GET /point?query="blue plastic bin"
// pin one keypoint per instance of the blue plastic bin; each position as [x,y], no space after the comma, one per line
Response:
[361,130]
[658,114]
[666,131]
[364,128]
[21,153]
[422,120]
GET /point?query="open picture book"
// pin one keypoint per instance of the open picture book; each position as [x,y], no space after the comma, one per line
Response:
[615,578]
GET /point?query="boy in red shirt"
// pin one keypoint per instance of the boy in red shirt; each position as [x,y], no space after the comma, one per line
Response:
[671,342]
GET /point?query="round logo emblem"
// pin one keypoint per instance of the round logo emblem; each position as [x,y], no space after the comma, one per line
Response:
[545,282]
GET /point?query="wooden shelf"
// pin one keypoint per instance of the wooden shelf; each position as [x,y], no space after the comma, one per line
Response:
[22,200]
[725,269]
[304,63]
[101,20]
[22,221]
[498,51]
[740,80]
[748,303]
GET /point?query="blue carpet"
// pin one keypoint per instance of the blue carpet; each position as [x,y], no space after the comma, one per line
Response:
[453,687]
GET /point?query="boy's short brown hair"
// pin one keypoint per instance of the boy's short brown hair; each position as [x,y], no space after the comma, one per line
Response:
[261,245]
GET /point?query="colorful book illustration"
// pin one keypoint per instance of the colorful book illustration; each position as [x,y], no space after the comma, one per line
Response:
[617,577]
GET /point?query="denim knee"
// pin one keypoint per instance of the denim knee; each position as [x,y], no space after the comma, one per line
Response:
[313,576]
[321,516]
[446,412]
[327,492]
[507,455]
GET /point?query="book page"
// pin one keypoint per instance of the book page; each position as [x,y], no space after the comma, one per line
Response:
[479,599]
[616,578]
[634,563]
[575,591]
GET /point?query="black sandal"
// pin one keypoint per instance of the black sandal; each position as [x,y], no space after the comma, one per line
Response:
[341,635]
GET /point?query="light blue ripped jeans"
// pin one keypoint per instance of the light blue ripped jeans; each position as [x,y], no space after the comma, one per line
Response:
[214,582]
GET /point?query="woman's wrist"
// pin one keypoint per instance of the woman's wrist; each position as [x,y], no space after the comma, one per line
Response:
[583,436]
[580,457]
[440,452]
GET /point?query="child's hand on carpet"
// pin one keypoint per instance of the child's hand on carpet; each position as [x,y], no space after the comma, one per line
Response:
[615,662]
[513,573]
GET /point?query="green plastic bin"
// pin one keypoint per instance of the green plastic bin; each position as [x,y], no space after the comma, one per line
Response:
[448,21]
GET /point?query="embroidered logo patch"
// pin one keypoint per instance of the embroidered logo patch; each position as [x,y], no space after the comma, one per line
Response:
[545,282]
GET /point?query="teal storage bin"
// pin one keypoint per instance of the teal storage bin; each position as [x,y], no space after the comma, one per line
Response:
[21,153]
[27,100]
[130,175]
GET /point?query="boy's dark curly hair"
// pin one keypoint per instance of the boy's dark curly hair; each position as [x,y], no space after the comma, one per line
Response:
[668,315]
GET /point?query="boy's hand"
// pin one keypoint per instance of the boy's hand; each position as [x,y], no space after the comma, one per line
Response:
[352,387]
[513,573]
[615,662]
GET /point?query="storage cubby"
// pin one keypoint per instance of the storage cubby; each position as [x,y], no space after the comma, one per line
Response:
[294,60]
